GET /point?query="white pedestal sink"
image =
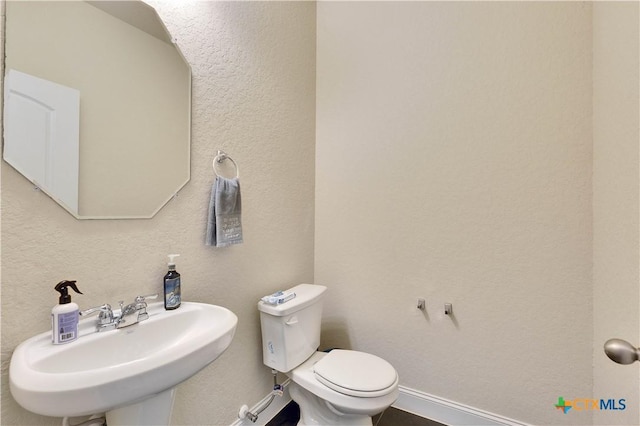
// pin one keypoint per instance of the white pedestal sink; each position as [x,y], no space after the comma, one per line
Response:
[129,373]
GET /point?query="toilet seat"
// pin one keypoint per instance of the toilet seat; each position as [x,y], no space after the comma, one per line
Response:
[304,377]
[355,373]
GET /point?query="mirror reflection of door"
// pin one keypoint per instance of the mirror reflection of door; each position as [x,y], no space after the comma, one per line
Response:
[41,124]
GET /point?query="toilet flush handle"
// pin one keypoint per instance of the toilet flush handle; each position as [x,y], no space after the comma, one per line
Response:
[291,321]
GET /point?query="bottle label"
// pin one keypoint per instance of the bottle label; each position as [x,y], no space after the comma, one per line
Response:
[172,293]
[66,328]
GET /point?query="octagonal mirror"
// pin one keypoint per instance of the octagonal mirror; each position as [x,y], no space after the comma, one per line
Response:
[132,102]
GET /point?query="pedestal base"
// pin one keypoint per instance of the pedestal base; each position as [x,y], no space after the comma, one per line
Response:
[154,411]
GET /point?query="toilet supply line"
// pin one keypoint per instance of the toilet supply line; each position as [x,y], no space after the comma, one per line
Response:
[278,390]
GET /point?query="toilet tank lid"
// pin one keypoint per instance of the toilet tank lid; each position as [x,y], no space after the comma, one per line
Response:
[306,294]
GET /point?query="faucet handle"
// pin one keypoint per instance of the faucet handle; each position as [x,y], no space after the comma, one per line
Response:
[105,313]
[141,299]
[102,308]
[141,305]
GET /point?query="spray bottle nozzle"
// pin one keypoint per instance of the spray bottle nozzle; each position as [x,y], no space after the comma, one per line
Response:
[64,293]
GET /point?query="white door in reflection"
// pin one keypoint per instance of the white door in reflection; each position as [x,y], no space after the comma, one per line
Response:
[41,134]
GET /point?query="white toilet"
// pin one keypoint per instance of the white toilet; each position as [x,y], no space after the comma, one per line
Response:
[339,387]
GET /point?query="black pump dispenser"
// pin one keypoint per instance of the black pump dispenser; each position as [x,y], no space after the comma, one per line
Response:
[172,292]
[64,293]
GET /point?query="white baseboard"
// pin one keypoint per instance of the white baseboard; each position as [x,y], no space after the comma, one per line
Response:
[448,412]
[270,412]
[412,401]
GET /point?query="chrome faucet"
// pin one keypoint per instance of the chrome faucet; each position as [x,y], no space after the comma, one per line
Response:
[130,314]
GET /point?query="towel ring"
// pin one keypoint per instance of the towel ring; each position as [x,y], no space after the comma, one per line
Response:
[220,158]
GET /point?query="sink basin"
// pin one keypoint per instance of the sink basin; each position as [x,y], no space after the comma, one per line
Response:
[103,371]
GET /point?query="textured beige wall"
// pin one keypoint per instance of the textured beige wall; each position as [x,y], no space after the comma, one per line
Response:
[616,198]
[253,96]
[454,163]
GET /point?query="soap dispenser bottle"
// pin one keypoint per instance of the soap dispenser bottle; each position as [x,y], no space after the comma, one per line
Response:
[65,315]
[172,285]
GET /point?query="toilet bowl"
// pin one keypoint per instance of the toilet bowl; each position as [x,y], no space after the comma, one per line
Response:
[339,387]
[332,389]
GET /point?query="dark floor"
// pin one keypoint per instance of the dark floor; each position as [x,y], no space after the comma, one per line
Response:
[290,415]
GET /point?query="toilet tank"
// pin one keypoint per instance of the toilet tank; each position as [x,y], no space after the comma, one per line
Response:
[291,330]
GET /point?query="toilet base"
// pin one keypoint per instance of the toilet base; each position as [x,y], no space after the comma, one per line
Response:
[315,411]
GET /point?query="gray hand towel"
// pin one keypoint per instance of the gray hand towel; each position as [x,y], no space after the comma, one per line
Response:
[224,226]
